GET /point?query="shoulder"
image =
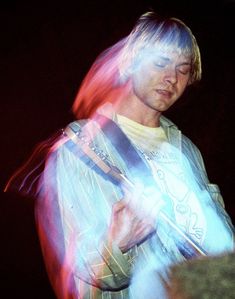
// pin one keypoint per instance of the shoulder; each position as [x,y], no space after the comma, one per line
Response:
[78,124]
[85,127]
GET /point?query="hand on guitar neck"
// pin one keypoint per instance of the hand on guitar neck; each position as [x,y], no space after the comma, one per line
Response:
[133,218]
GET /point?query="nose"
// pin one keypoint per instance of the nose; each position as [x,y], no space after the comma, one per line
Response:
[171,76]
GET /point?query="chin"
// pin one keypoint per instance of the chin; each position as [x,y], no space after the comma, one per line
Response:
[163,107]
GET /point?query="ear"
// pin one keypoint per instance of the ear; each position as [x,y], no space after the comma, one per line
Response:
[190,81]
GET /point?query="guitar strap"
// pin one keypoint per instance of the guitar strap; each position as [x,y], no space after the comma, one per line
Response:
[135,164]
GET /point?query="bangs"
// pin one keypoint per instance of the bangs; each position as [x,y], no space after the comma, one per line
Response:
[173,37]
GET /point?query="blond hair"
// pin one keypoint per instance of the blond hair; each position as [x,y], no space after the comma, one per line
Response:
[111,70]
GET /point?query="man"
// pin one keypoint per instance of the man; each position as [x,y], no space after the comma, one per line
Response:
[123,194]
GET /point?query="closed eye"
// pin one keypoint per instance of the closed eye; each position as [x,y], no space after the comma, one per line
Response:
[161,65]
[184,69]
[161,62]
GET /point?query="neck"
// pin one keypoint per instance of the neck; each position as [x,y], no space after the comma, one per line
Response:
[135,110]
[147,120]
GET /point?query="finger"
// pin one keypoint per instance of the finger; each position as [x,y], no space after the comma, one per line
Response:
[118,206]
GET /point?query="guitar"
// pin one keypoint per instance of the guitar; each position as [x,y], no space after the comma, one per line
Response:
[188,247]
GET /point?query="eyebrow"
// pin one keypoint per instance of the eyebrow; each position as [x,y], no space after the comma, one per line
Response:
[164,58]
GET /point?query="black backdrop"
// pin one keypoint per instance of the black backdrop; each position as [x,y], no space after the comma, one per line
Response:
[45,50]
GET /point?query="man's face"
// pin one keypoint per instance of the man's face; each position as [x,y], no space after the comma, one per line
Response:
[159,79]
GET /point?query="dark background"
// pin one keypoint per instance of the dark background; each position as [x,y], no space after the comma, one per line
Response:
[45,50]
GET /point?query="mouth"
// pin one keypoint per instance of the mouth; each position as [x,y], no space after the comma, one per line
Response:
[164,92]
